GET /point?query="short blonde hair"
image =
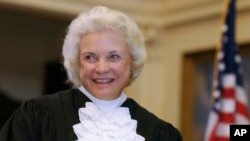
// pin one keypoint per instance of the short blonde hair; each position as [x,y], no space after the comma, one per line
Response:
[100,19]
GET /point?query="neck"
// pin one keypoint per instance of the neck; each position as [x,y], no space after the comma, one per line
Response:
[104,104]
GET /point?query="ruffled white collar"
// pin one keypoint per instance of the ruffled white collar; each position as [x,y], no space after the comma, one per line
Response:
[104,120]
[111,125]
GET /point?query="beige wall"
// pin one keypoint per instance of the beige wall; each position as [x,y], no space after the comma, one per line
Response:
[174,28]
[159,86]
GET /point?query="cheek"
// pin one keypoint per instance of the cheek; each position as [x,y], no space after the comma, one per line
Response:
[85,70]
[123,69]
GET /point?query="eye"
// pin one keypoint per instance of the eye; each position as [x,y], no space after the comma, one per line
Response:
[90,57]
[114,57]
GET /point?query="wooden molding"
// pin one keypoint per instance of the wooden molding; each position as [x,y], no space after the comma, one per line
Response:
[155,13]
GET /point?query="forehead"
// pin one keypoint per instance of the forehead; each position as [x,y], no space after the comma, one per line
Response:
[106,40]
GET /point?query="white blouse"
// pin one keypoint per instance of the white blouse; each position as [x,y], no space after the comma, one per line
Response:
[104,120]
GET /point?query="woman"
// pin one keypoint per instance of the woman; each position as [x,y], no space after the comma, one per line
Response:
[103,53]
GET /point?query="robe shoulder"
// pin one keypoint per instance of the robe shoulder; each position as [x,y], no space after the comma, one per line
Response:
[33,120]
[30,119]
[150,126]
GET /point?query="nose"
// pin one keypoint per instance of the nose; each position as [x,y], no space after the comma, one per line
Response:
[102,66]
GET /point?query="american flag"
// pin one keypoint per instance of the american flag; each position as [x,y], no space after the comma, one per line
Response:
[228,95]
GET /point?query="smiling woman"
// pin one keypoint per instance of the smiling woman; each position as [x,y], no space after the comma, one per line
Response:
[105,64]
[103,53]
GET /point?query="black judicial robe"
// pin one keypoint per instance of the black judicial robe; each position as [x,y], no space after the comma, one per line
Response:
[50,118]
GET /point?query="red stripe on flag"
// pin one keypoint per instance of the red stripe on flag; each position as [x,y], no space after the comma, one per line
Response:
[226,117]
[221,139]
[228,92]
[241,108]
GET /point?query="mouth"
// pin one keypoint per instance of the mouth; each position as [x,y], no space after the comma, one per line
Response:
[103,80]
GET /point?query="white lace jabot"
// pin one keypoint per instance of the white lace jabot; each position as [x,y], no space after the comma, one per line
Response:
[112,125]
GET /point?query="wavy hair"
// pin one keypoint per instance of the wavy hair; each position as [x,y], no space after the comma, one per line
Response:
[100,19]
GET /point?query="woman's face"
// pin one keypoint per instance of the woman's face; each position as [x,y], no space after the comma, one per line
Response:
[105,64]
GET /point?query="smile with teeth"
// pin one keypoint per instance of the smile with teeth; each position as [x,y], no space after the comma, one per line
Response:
[103,80]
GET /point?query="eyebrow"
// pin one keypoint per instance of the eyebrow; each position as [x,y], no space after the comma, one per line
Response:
[114,52]
[87,53]
[110,52]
